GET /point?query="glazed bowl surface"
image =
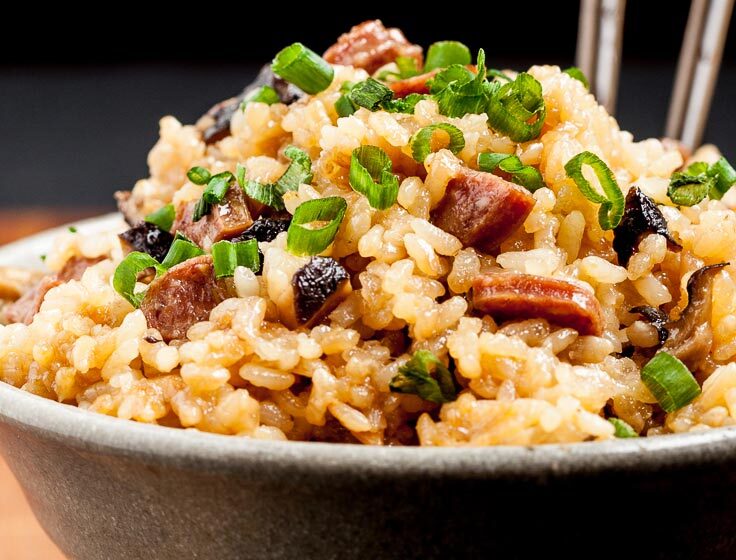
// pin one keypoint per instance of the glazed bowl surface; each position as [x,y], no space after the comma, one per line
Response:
[109,488]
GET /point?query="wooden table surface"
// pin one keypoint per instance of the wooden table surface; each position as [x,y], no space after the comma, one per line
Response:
[21,538]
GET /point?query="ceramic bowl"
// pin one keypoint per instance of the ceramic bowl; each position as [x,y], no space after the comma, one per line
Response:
[113,489]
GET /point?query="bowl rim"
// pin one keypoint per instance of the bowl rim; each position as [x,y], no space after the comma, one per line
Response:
[98,433]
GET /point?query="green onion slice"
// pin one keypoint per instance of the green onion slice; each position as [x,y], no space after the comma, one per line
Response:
[181,250]
[525,175]
[453,73]
[298,172]
[371,176]
[370,94]
[461,97]
[612,199]
[404,104]
[304,68]
[407,66]
[517,108]
[669,381]
[227,256]
[499,75]
[725,177]
[126,275]
[199,175]
[691,186]
[215,191]
[415,377]
[263,94]
[421,142]
[445,53]
[577,73]
[315,224]
[163,218]
[622,429]
[344,107]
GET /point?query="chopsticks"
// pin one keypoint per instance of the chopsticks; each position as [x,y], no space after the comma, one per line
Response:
[697,70]
[600,37]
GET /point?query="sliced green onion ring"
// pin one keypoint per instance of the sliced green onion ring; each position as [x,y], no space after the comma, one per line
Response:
[525,175]
[622,429]
[163,218]
[725,177]
[371,176]
[404,104]
[126,275]
[462,97]
[304,240]
[407,66]
[453,73]
[421,142]
[370,94]
[304,68]
[612,199]
[691,186]
[181,250]
[669,381]
[263,94]
[445,53]
[215,191]
[227,256]
[298,172]
[577,73]
[199,175]
[415,378]
[512,106]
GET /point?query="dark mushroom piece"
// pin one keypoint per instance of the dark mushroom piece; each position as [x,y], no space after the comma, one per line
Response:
[510,295]
[148,238]
[691,337]
[319,286]
[481,209]
[657,318]
[215,124]
[641,216]
[265,229]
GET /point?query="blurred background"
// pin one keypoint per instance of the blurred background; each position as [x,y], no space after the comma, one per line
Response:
[79,116]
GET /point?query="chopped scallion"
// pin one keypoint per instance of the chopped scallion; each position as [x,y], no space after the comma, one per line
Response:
[525,175]
[227,256]
[298,172]
[445,53]
[163,218]
[725,177]
[181,250]
[407,66]
[370,175]
[199,175]
[611,201]
[517,108]
[315,224]
[72,229]
[215,191]
[403,104]
[370,94]
[304,68]
[622,429]
[669,381]
[415,377]
[691,186]
[464,95]
[126,275]
[263,94]
[422,141]
[577,73]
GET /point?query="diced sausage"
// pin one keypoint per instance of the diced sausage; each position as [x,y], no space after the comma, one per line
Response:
[506,296]
[224,221]
[370,45]
[24,309]
[183,296]
[482,209]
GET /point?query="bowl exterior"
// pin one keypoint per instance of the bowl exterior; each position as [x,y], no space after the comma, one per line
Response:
[99,504]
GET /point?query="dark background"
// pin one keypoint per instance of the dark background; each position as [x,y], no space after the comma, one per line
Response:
[80,103]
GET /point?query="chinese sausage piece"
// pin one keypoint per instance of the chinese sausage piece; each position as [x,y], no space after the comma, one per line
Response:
[225,220]
[370,45]
[506,296]
[185,295]
[24,309]
[482,209]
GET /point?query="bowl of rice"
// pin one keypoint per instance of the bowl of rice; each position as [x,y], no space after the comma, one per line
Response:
[385,302]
